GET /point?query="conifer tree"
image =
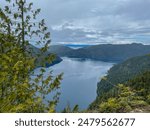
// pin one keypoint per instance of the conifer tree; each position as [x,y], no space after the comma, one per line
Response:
[18,91]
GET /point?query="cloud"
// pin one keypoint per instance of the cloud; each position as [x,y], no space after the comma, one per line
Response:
[135,10]
[109,21]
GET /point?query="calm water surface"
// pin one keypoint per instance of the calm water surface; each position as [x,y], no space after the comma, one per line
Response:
[79,82]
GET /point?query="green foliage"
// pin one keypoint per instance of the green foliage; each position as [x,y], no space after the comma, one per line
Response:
[69,110]
[138,103]
[123,72]
[125,99]
[120,102]
[148,98]
[110,106]
[141,84]
[18,91]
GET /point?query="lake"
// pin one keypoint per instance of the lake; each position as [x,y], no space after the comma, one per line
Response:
[79,82]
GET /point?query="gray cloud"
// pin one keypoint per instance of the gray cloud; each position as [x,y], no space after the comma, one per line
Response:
[135,9]
[106,21]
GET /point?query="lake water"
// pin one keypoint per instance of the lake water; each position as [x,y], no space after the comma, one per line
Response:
[79,82]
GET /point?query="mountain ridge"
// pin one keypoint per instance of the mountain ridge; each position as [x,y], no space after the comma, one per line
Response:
[35,52]
[103,52]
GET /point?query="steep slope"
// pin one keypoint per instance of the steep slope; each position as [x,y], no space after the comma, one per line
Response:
[35,52]
[133,96]
[123,72]
[126,88]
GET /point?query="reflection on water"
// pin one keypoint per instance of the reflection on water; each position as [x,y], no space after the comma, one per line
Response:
[79,82]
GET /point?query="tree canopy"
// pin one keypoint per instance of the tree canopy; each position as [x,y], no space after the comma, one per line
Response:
[18,91]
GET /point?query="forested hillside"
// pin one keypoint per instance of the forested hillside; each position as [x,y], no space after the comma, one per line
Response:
[121,73]
[36,52]
[103,52]
[60,50]
[126,88]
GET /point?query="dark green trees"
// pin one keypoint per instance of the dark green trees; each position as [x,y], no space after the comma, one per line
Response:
[132,96]
[18,92]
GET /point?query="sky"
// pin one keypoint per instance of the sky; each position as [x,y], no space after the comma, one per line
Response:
[96,21]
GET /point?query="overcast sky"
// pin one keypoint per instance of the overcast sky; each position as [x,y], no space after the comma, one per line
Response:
[97,21]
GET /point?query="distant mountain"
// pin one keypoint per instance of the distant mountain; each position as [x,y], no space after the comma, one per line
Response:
[60,50]
[35,52]
[104,52]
